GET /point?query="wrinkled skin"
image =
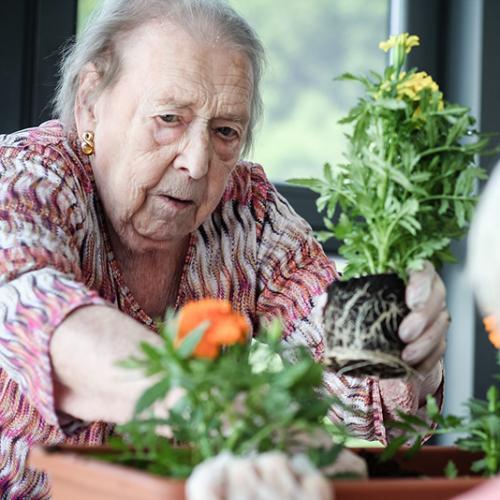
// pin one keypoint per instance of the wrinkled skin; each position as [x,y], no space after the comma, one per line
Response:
[424,328]
[168,133]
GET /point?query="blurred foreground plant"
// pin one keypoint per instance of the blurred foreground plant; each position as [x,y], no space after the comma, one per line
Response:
[250,399]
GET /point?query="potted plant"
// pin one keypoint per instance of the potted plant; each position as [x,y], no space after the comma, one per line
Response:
[251,399]
[233,396]
[404,192]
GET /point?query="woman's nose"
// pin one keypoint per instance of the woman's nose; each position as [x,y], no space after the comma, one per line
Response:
[194,155]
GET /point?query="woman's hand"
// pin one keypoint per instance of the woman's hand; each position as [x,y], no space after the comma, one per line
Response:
[424,329]
[263,477]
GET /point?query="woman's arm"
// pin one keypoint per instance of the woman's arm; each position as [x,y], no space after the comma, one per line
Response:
[84,351]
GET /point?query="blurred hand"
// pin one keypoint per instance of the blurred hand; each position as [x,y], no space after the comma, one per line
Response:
[424,329]
[267,476]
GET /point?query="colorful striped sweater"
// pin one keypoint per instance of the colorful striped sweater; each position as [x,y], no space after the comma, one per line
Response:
[55,257]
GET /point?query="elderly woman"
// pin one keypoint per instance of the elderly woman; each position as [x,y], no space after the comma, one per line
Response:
[136,200]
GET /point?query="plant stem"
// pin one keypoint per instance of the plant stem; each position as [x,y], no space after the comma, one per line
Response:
[382,256]
[441,149]
[369,258]
[448,197]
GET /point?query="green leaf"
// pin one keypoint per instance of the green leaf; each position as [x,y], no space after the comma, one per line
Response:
[478,465]
[492,398]
[416,421]
[458,130]
[156,392]
[323,235]
[169,328]
[392,448]
[332,205]
[327,173]
[322,202]
[400,424]
[451,471]
[415,447]
[131,363]
[391,104]
[315,185]
[303,372]
[324,457]
[274,331]
[350,76]
[432,409]
[409,227]
[469,444]
[191,341]
[152,352]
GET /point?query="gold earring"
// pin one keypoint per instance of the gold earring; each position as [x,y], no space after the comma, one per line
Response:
[88,143]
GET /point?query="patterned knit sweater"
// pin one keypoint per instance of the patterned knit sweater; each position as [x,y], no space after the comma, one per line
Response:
[55,257]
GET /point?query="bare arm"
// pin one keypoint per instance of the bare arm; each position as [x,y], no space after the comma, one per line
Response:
[84,351]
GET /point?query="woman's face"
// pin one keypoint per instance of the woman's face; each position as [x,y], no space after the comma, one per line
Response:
[168,134]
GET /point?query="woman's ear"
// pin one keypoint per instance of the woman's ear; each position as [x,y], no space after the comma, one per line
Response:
[86,96]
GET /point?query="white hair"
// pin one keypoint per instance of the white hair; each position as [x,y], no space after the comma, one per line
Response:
[209,20]
[483,259]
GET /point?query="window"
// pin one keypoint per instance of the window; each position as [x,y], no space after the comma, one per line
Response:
[308,44]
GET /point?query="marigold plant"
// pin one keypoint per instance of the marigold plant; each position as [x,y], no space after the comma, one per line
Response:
[406,188]
[234,395]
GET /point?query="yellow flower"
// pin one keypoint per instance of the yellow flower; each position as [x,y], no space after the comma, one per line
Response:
[415,84]
[405,40]
[412,87]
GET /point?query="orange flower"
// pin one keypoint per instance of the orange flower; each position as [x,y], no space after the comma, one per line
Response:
[491,326]
[226,326]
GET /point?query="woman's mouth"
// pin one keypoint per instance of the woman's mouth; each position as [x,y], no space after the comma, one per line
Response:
[174,202]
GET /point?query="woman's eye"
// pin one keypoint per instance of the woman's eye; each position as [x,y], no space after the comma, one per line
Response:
[170,118]
[227,132]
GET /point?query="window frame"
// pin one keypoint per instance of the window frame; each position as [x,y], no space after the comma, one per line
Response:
[32,37]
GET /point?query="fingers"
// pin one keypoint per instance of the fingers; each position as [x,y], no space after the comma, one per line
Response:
[423,314]
[418,320]
[315,486]
[275,475]
[207,479]
[266,476]
[242,480]
[424,329]
[429,347]
[419,286]
[291,479]
[425,287]
[430,363]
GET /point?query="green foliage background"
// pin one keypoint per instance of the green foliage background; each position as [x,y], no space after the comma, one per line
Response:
[308,44]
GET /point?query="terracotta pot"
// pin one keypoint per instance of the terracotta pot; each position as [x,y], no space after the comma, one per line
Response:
[77,476]
[361,321]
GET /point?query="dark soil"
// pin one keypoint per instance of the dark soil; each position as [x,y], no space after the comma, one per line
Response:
[364,314]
